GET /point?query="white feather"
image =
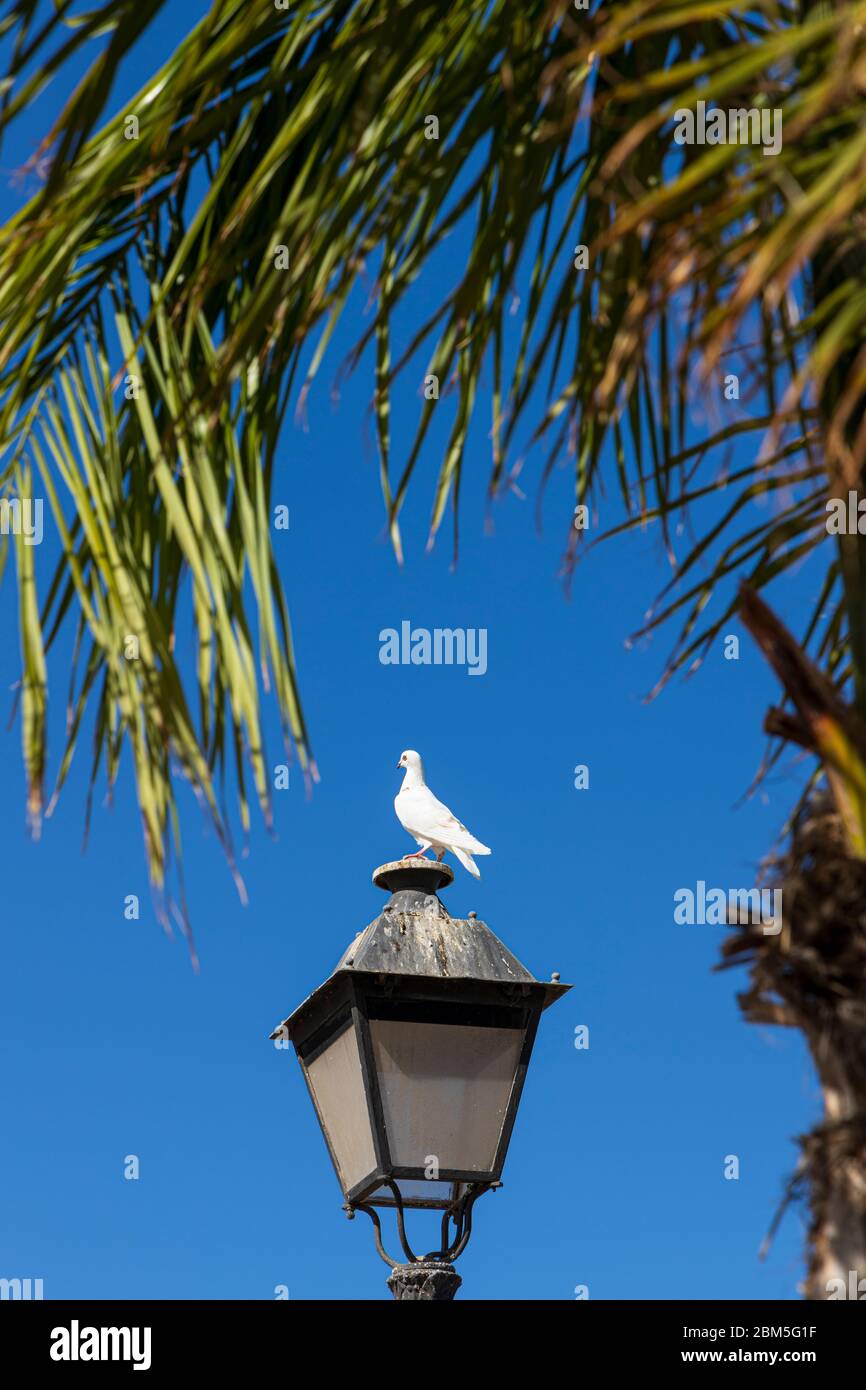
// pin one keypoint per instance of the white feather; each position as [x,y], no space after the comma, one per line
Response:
[429,821]
[467,861]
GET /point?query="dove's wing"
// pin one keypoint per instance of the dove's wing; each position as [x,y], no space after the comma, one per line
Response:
[436,823]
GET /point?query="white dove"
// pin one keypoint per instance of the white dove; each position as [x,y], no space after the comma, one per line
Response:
[431,823]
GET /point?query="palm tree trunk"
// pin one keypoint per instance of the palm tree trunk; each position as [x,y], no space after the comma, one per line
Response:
[812,976]
[835,1154]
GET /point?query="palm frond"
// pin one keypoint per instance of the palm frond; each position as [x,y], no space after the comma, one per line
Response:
[199,236]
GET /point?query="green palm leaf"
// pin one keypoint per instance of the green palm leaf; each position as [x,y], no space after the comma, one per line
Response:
[304,129]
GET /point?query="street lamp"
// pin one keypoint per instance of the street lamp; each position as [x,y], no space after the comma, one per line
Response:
[415,1052]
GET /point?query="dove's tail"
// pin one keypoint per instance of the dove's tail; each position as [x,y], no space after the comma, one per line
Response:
[467,861]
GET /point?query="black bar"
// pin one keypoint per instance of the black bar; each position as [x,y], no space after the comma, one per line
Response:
[224,1337]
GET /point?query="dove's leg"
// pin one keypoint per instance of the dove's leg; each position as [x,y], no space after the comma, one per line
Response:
[421,852]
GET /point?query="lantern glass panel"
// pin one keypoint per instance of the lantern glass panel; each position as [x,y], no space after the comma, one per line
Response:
[419,1192]
[337,1083]
[444,1090]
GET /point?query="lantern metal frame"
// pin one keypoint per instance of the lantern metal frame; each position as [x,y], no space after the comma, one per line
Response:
[459,1211]
[469,979]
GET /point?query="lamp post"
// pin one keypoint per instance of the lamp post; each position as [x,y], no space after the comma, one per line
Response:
[415,1051]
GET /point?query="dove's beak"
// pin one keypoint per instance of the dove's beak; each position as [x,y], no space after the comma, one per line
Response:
[399,765]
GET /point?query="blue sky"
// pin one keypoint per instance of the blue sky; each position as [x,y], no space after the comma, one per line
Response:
[114,1047]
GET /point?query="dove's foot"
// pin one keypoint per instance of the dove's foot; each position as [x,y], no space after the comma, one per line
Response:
[416,854]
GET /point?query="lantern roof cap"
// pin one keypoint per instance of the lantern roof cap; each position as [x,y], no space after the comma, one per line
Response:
[414,935]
